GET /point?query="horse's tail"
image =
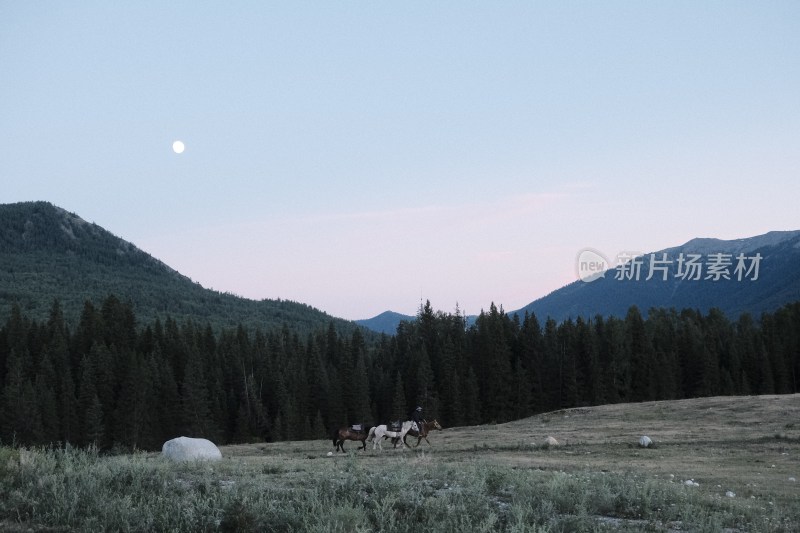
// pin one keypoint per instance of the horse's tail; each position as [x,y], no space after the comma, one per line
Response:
[335,435]
[371,435]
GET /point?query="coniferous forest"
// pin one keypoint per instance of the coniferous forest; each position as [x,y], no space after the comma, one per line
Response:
[120,384]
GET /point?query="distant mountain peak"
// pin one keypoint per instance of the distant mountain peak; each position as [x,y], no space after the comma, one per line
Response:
[385,322]
[708,245]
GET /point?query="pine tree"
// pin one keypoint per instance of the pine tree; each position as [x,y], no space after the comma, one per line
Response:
[19,410]
[93,423]
[531,363]
[588,374]
[690,348]
[87,394]
[28,423]
[551,366]
[457,416]
[362,411]
[68,409]
[715,350]
[661,325]
[10,402]
[45,394]
[134,410]
[470,396]
[568,393]
[317,381]
[639,353]
[399,406]
[447,386]
[196,411]
[495,362]
[166,397]
[424,394]
[318,427]
[106,383]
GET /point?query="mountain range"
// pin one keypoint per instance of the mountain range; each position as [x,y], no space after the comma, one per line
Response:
[700,274]
[47,252]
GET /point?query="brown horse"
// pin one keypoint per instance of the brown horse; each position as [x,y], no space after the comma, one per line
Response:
[355,432]
[425,428]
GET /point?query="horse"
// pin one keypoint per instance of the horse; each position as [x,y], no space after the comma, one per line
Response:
[425,427]
[355,432]
[377,434]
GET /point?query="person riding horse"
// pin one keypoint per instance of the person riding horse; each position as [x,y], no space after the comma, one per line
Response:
[416,417]
[416,427]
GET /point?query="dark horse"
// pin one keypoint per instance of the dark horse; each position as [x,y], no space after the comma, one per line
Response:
[354,432]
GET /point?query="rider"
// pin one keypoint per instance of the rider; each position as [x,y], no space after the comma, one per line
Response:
[416,417]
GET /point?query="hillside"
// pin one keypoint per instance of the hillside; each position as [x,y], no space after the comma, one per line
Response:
[778,282]
[47,252]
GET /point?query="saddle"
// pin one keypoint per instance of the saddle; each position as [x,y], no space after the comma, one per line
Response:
[357,427]
[395,425]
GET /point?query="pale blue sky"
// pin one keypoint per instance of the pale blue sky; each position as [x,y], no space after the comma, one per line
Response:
[360,156]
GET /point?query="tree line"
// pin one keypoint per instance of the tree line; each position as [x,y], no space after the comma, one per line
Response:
[115,383]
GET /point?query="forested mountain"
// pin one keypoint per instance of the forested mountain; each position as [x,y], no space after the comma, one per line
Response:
[117,381]
[751,275]
[47,252]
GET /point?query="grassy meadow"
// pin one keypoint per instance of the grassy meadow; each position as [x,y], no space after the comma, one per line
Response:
[719,464]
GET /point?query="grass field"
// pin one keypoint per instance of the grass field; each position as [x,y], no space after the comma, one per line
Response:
[742,455]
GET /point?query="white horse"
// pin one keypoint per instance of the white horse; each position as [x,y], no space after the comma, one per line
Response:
[377,434]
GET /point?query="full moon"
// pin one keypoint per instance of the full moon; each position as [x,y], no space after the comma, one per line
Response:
[178,147]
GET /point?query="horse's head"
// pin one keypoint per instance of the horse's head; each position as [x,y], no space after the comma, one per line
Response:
[436,425]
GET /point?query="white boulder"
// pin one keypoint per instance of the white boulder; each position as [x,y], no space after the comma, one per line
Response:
[645,441]
[189,449]
[550,441]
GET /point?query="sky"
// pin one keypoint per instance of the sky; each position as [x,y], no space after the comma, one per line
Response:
[368,156]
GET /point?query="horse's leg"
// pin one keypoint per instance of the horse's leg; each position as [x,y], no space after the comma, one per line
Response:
[405,444]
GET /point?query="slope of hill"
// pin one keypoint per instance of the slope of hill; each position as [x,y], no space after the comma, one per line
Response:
[773,281]
[47,253]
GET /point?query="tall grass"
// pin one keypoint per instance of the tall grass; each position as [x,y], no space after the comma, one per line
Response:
[72,489]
